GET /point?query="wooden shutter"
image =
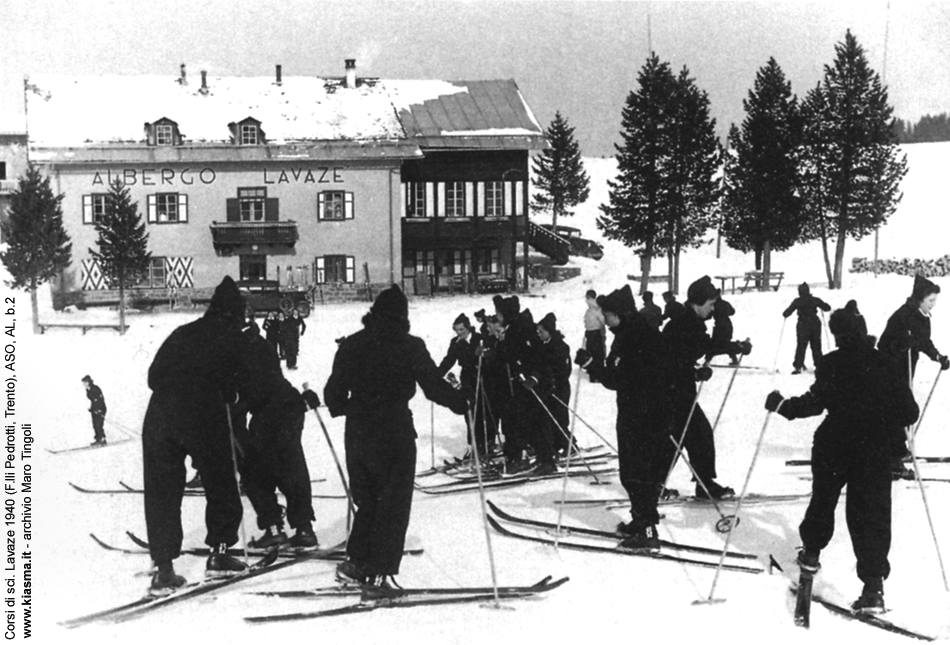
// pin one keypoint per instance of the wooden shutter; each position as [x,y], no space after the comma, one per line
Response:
[430,199]
[320,278]
[321,206]
[509,210]
[182,207]
[440,199]
[233,209]
[350,269]
[479,198]
[519,198]
[271,209]
[152,209]
[405,204]
[347,205]
[87,209]
[469,199]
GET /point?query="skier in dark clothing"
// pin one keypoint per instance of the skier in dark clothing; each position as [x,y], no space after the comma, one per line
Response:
[271,327]
[865,398]
[291,331]
[651,311]
[673,308]
[906,336]
[194,380]
[595,331]
[374,376]
[685,342]
[273,454]
[722,331]
[523,419]
[636,369]
[556,354]
[808,329]
[496,386]
[97,409]
[462,351]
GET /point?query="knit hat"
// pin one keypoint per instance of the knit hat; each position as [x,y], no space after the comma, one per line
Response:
[507,307]
[846,326]
[923,288]
[619,301]
[804,289]
[462,319]
[647,296]
[87,379]
[227,300]
[391,303]
[549,322]
[701,291]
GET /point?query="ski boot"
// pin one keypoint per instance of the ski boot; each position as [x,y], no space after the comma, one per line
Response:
[165,581]
[871,600]
[379,590]
[641,539]
[273,536]
[350,573]
[304,539]
[223,565]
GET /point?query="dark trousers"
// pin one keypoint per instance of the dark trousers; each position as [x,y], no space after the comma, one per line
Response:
[381,469]
[596,344]
[810,335]
[274,462]
[98,418]
[644,452]
[867,505]
[177,426]
[560,425]
[699,444]
[525,425]
[291,349]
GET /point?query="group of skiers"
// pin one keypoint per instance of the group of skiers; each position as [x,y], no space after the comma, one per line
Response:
[514,382]
[283,333]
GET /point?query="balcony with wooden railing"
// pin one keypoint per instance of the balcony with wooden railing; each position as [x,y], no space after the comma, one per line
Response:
[225,234]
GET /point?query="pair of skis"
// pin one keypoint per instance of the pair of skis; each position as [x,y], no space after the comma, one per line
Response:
[375,598]
[751,498]
[506,482]
[126,489]
[93,446]
[738,562]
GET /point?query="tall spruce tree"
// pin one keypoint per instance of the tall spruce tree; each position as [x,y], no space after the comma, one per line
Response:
[762,209]
[123,243]
[693,189]
[38,247]
[637,204]
[559,173]
[854,147]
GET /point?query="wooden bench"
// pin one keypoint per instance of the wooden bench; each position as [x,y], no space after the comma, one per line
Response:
[84,326]
[722,281]
[652,278]
[756,278]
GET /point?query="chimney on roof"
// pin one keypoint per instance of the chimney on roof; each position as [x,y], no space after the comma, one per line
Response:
[204,82]
[183,79]
[278,75]
[350,72]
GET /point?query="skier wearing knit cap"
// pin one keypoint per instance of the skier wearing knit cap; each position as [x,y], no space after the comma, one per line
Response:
[808,329]
[686,342]
[195,379]
[375,374]
[557,356]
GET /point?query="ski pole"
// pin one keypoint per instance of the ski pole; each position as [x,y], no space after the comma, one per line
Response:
[679,444]
[726,397]
[481,495]
[432,434]
[567,463]
[237,485]
[926,403]
[824,329]
[570,437]
[745,489]
[923,496]
[350,508]
[778,347]
[726,522]
[581,419]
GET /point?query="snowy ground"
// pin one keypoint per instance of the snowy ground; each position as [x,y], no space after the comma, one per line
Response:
[609,597]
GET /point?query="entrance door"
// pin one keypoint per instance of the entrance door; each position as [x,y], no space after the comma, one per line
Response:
[253,268]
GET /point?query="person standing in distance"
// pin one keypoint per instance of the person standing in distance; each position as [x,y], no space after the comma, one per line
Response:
[97,408]
[808,329]
[595,330]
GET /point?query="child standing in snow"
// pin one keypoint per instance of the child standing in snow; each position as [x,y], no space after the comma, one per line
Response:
[97,408]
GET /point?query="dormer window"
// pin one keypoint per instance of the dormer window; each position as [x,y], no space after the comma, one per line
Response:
[163,132]
[247,132]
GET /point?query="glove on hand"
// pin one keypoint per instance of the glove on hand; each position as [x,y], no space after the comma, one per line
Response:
[703,373]
[583,357]
[944,362]
[311,399]
[744,347]
[773,400]
[528,381]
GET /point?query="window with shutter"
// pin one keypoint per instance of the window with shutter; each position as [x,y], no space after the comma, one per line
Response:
[334,205]
[94,207]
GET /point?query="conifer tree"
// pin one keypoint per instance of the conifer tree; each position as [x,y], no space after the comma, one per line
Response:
[559,173]
[855,149]
[637,198]
[761,205]
[38,247]
[123,243]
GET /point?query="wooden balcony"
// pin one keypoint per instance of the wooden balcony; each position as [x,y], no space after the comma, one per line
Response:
[442,232]
[230,234]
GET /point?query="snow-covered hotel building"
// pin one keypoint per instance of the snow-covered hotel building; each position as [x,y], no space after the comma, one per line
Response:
[294,179]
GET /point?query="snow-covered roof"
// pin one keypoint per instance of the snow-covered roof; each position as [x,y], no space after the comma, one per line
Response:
[83,111]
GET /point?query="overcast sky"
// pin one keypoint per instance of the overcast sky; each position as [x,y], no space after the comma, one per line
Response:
[581,58]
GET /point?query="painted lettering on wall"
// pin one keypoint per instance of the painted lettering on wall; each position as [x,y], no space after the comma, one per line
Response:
[156,177]
[303,175]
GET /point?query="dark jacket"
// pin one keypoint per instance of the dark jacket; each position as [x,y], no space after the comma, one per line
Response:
[863,395]
[291,329]
[807,307]
[907,328]
[265,383]
[673,309]
[97,402]
[652,313]
[518,354]
[462,352]
[556,356]
[271,328]
[374,376]
[685,342]
[722,326]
